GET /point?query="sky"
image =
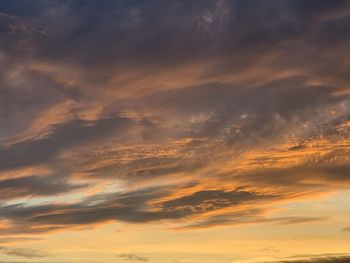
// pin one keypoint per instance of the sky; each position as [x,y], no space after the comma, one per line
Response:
[174,131]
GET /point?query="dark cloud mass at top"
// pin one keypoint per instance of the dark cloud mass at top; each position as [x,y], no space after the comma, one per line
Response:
[194,113]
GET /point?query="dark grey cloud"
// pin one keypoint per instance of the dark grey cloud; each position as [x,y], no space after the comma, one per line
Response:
[21,95]
[259,113]
[35,186]
[130,207]
[273,71]
[144,167]
[266,27]
[63,136]
[213,199]
[167,33]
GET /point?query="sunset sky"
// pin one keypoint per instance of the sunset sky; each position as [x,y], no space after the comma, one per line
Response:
[174,131]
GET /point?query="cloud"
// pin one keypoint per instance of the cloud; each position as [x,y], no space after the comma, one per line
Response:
[132,207]
[22,252]
[75,132]
[35,186]
[321,259]
[205,114]
[132,257]
[18,239]
[346,229]
[213,199]
[247,216]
